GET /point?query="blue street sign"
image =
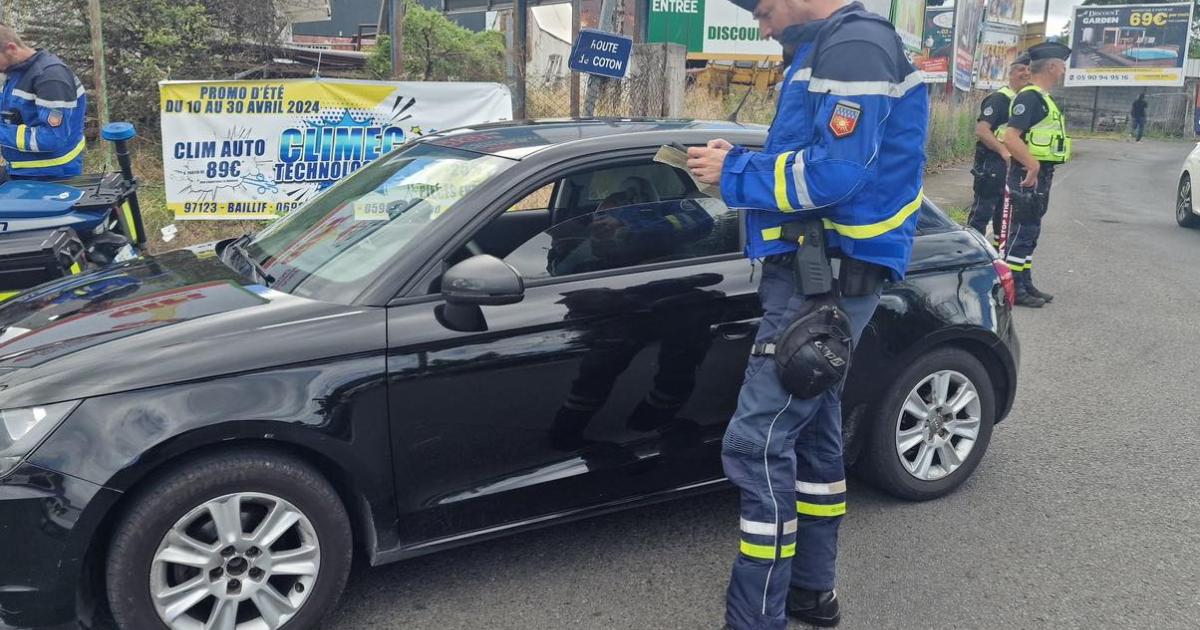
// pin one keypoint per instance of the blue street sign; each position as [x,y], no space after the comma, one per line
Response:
[605,54]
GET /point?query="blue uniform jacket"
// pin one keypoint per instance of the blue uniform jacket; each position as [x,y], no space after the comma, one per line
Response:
[47,140]
[847,144]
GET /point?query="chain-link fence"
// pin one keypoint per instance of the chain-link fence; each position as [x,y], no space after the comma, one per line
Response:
[653,87]
[1108,109]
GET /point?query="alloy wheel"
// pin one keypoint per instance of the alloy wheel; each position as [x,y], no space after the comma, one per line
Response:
[244,561]
[938,425]
[1183,209]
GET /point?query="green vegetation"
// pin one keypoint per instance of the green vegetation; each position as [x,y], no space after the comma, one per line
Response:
[437,49]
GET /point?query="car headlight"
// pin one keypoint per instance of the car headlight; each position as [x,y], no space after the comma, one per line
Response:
[23,429]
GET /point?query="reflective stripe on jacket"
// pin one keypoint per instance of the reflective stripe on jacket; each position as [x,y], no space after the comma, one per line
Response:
[847,145]
[50,103]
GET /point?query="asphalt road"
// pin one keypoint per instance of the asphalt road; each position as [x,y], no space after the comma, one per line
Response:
[1084,514]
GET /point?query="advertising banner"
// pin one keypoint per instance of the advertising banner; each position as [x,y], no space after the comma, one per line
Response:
[1143,45]
[257,149]
[709,28]
[998,47]
[909,18]
[968,20]
[1005,12]
[938,45]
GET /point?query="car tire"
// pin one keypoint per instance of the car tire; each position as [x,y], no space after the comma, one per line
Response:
[919,473]
[1184,215]
[154,563]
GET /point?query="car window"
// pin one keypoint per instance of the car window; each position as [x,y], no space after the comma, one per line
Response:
[627,236]
[537,200]
[333,246]
[602,189]
[931,220]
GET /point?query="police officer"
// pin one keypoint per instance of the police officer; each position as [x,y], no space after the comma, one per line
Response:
[1037,138]
[846,154]
[42,108]
[991,158]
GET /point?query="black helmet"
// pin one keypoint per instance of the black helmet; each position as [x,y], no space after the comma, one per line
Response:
[813,353]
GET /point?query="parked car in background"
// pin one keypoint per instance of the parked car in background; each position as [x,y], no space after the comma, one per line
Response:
[1187,213]
[486,331]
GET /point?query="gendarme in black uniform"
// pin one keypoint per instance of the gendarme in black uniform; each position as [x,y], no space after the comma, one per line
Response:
[1028,205]
[1043,132]
[990,168]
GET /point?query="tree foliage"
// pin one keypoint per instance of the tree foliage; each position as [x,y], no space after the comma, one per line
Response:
[437,49]
[147,41]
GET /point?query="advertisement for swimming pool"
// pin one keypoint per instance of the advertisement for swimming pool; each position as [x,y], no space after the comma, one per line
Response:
[1140,44]
[257,149]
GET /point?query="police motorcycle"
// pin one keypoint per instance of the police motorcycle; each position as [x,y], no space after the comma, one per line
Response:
[53,229]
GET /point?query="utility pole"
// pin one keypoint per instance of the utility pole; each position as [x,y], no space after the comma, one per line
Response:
[607,11]
[399,9]
[576,7]
[99,72]
[520,40]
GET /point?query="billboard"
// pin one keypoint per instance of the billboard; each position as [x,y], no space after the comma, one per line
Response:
[709,28]
[938,45]
[257,149]
[1142,45]
[968,20]
[909,18]
[998,48]
[1005,12]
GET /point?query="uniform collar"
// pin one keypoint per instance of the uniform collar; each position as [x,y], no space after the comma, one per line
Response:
[24,65]
[797,35]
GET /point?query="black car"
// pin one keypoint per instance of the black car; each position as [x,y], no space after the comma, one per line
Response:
[488,330]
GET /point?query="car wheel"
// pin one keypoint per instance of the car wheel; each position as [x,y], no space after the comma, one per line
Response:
[932,426]
[249,540]
[1184,215]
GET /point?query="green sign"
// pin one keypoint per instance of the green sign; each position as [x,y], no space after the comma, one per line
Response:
[714,28]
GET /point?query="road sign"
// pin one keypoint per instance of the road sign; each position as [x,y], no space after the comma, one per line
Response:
[605,54]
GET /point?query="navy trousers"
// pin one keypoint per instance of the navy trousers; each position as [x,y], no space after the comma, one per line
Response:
[785,454]
[1029,205]
[988,204]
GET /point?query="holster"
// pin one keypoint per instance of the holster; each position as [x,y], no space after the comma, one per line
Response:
[989,177]
[858,278]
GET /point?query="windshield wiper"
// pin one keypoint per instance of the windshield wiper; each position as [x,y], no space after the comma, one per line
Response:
[259,270]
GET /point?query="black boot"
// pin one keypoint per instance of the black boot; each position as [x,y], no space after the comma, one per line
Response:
[817,608]
[1034,291]
[1025,297]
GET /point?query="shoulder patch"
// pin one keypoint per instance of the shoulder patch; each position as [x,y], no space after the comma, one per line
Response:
[989,110]
[1019,109]
[54,118]
[845,117]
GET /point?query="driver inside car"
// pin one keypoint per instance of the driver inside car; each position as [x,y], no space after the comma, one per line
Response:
[631,226]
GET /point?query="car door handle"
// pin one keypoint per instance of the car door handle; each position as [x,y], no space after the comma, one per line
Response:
[732,331]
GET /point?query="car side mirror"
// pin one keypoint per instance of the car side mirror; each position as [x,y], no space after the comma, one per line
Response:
[482,281]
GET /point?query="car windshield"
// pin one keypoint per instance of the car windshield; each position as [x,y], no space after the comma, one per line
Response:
[332,247]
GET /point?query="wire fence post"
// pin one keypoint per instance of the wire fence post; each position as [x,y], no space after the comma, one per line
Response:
[99,71]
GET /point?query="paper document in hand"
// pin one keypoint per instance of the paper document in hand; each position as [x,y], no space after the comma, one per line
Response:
[672,156]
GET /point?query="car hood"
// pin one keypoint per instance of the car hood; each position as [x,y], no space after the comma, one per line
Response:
[156,320]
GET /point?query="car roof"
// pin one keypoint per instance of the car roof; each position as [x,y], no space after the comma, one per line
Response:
[520,139]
